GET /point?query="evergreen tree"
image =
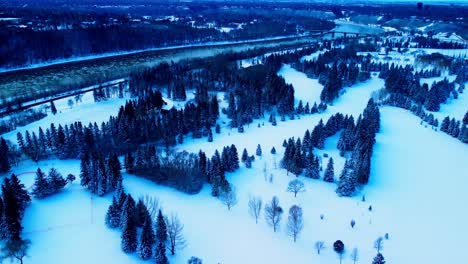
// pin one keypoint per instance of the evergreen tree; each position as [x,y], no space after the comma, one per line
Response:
[129,163]
[4,156]
[234,164]
[56,181]
[347,182]
[113,214]
[53,109]
[161,257]
[379,259]
[128,212]
[20,192]
[245,155]
[161,229]
[147,239]
[12,211]
[40,188]
[259,150]
[141,213]
[129,235]
[329,175]
[273,150]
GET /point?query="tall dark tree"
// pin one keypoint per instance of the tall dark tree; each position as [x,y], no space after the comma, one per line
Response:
[329,175]
[161,229]
[4,156]
[147,239]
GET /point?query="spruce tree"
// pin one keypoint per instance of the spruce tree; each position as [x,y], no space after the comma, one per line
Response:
[245,155]
[161,229]
[379,259]
[273,150]
[329,175]
[147,239]
[234,158]
[56,181]
[53,109]
[4,156]
[161,257]
[259,150]
[113,214]
[40,188]
[129,235]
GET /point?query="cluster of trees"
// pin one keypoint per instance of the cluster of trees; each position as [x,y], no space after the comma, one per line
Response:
[139,121]
[401,80]
[273,214]
[357,169]
[344,70]
[48,185]
[185,171]
[299,156]
[457,129]
[13,203]
[98,174]
[180,170]
[144,228]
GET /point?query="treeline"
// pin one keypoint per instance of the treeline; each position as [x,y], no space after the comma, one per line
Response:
[422,42]
[456,128]
[139,121]
[358,138]
[401,80]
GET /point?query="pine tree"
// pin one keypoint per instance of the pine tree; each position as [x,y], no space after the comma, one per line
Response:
[56,181]
[379,259]
[141,212]
[113,214]
[129,163]
[129,235]
[20,192]
[161,257]
[4,156]
[40,188]
[147,239]
[259,150]
[347,182]
[273,150]
[234,164]
[128,211]
[245,155]
[329,175]
[53,109]
[161,229]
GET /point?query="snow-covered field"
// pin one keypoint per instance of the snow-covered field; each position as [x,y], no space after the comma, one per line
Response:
[417,192]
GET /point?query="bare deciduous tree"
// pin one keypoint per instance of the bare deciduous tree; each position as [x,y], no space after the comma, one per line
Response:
[152,204]
[378,244]
[296,186]
[273,212]
[229,197]
[255,206]
[295,221]
[15,249]
[319,246]
[174,233]
[355,255]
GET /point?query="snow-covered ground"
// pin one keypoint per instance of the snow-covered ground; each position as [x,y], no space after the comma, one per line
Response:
[416,190]
[305,89]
